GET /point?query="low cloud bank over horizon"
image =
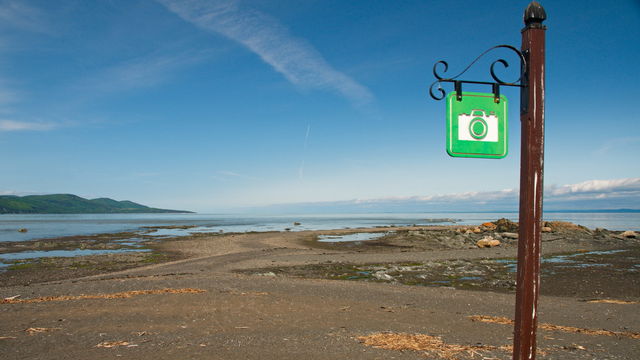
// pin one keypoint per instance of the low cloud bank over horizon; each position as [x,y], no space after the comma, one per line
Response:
[587,195]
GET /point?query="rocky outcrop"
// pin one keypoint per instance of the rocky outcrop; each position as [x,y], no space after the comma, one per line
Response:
[488,241]
[564,227]
[629,234]
[506,225]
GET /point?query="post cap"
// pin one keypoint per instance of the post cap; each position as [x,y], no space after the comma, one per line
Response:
[534,15]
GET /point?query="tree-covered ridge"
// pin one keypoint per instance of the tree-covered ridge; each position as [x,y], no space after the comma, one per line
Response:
[71,204]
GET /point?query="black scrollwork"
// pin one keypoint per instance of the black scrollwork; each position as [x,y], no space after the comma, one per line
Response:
[440,77]
[441,91]
[435,69]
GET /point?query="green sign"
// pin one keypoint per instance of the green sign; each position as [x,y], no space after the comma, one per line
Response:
[476,126]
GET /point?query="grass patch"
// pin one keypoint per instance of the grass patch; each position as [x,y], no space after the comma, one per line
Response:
[22,266]
[155,258]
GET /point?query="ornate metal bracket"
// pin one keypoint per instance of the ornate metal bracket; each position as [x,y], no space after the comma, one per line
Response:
[520,82]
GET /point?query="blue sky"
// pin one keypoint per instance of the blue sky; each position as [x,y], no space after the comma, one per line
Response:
[210,105]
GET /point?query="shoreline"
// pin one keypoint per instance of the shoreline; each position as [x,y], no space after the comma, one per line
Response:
[273,295]
[40,227]
[416,245]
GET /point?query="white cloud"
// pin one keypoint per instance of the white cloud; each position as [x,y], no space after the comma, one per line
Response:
[617,144]
[304,152]
[231,176]
[294,58]
[627,189]
[592,194]
[12,125]
[139,72]
[144,174]
[586,190]
[470,196]
[598,186]
[22,16]
[15,14]
[19,193]
[7,95]
[229,173]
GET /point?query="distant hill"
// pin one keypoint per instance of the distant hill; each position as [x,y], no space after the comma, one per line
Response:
[71,204]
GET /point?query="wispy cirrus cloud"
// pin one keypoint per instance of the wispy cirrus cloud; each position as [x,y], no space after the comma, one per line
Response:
[616,144]
[13,125]
[139,72]
[298,61]
[228,175]
[7,95]
[304,152]
[18,14]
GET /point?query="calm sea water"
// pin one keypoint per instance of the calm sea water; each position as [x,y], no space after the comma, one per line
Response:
[48,226]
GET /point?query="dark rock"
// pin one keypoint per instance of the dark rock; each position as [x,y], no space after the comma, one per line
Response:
[565,226]
[506,225]
[509,235]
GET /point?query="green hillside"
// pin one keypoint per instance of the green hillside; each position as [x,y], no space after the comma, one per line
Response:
[71,204]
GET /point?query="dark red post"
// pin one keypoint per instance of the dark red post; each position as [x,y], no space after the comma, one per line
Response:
[531,176]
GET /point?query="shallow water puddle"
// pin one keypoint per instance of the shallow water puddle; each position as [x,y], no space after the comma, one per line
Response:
[174,232]
[351,237]
[571,261]
[134,244]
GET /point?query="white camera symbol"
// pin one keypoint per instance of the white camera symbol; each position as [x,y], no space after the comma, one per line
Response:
[478,126]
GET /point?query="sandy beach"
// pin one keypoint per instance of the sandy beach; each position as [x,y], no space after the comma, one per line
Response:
[414,293]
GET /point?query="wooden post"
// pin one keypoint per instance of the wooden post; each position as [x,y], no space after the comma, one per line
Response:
[531,181]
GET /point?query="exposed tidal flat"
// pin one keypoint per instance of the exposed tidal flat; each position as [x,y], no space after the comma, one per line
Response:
[569,247]
[189,290]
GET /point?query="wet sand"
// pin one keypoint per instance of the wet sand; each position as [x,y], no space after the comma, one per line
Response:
[269,296]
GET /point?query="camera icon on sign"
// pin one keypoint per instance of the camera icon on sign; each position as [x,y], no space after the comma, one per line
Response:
[478,126]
